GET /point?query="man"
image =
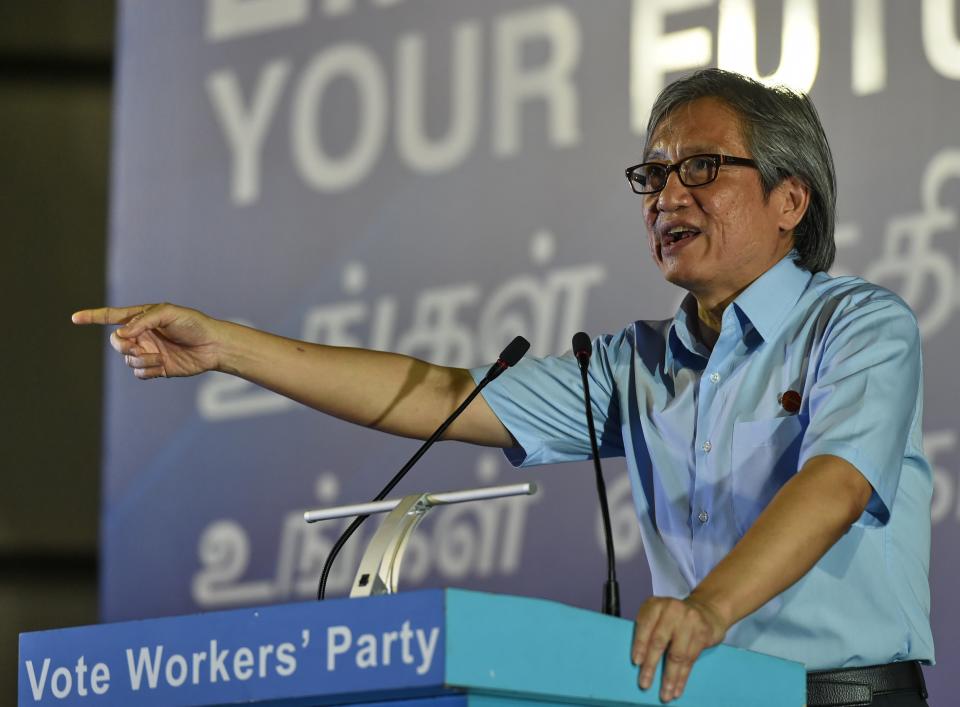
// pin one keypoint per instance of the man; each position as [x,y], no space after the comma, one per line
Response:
[772,428]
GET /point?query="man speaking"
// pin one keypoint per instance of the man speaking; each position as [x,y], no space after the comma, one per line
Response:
[772,428]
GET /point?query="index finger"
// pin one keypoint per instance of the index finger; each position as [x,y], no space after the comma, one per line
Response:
[643,626]
[107,315]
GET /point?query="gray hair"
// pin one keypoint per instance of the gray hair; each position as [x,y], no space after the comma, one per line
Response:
[782,130]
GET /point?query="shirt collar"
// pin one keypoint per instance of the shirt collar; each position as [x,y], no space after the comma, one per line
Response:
[683,342]
[764,304]
[767,300]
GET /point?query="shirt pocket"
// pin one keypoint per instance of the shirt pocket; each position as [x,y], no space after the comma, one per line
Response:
[765,456]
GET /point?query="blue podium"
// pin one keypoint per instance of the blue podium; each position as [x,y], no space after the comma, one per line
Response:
[430,648]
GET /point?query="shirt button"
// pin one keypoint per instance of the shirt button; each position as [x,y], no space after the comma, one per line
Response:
[703,517]
[714,377]
[707,446]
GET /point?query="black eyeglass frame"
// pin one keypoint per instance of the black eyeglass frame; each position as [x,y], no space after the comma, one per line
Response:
[717,159]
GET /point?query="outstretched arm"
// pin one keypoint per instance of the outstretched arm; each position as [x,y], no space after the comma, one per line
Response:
[384,391]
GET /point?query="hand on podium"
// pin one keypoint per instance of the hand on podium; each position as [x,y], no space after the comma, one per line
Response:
[680,628]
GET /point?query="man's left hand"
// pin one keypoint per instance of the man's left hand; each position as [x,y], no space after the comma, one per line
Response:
[682,629]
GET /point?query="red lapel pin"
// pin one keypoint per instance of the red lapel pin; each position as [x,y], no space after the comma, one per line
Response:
[790,401]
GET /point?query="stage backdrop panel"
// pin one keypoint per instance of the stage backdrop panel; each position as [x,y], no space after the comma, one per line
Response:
[434,177]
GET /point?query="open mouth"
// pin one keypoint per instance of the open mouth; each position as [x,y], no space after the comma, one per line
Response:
[677,235]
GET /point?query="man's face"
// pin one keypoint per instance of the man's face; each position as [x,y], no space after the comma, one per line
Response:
[733,234]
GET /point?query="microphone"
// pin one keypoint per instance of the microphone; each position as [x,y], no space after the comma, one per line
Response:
[583,349]
[508,357]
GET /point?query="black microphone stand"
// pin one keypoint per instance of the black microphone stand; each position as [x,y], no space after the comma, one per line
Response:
[582,349]
[510,355]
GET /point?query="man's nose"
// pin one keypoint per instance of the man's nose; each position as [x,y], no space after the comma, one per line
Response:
[674,194]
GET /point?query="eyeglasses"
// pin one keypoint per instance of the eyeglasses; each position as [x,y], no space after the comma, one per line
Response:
[693,171]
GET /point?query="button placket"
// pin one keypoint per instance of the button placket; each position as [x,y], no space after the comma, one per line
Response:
[705,487]
[700,499]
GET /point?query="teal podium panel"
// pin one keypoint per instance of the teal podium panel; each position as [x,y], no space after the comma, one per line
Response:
[432,648]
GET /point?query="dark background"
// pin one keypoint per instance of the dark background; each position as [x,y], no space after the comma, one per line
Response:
[55,105]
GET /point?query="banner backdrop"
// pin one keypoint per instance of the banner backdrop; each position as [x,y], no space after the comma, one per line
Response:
[433,177]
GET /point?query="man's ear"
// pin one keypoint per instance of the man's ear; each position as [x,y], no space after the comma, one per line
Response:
[793,198]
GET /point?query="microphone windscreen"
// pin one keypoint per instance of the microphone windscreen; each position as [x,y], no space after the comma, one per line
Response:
[581,345]
[514,351]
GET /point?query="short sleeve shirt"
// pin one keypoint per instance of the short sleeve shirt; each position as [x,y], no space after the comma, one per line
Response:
[709,441]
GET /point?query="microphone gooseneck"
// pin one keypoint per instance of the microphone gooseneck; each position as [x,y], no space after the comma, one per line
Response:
[582,350]
[508,357]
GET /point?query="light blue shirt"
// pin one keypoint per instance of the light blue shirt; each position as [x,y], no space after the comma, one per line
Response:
[708,444]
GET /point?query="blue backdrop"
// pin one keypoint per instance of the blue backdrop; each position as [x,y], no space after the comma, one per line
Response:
[434,177]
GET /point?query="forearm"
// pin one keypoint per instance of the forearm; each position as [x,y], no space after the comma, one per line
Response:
[389,392]
[808,515]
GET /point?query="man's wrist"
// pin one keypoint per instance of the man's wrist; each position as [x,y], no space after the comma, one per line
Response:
[719,612]
[228,355]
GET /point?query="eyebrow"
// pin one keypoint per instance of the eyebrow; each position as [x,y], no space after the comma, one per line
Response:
[697,149]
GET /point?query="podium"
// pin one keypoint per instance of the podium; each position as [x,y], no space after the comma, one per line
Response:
[428,648]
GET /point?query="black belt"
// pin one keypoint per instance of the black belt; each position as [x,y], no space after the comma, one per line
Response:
[857,686]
